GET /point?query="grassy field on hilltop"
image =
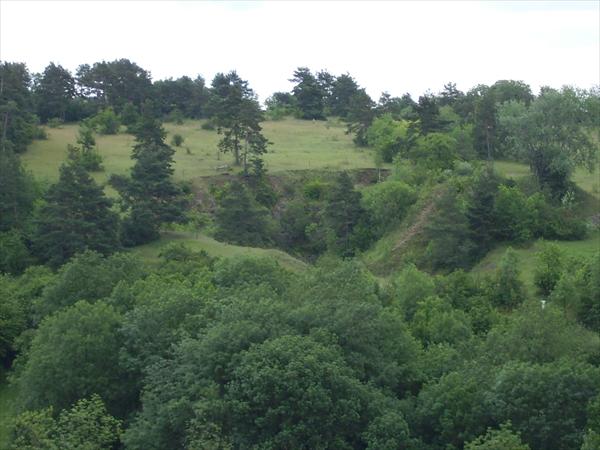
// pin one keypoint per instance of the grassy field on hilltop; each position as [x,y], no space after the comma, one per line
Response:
[297,145]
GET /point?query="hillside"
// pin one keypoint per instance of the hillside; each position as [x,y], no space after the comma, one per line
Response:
[296,145]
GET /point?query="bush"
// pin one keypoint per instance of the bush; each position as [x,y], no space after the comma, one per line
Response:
[548,268]
[55,122]
[39,133]
[177,140]
[175,116]
[106,122]
[315,190]
[14,254]
[387,203]
[208,125]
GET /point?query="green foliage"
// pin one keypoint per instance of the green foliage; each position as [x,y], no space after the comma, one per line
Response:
[315,190]
[237,115]
[17,192]
[436,322]
[514,218]
[436,151]
[87,152]
[293,392]
[54,91]
[386,204]
[539,335]
[308,94]
[129,115]
[177,140]
[343,212]
[450,245]
[73,354]
[17,122]
[55,122]
[452,410]
[548,268]
[410,287]
[115,82]
[239,218]
[390,138]
[88,276]
[14,254]
[106,122]
[549,137]
[13,318]
[150,195]
[521,395]
[506,288]
[86,426]
[34,430]
[504,439]
[280,105]
[75,217]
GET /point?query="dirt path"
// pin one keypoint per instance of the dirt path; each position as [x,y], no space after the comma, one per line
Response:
[419,224]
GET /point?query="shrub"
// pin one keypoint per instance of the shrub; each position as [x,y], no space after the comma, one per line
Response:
[177,140]
[106,122]
[55,122]
[386,204]
[315,190]
[208,125]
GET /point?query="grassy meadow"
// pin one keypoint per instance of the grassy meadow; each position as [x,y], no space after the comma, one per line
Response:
[297,145]
[575,249]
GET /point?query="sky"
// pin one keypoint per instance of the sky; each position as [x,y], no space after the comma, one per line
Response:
[393,46]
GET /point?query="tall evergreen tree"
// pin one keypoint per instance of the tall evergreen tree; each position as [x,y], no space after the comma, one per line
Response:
[240,220]
[150,195]
[54,91]
[309,94]
[343,212]
[75,217]
[342,92]
[17,191]
[17,123]
[237,115]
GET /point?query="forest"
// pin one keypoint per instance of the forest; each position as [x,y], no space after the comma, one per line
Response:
[185,267]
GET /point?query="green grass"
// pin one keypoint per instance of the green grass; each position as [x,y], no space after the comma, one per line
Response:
[586,180]
[150,252]
[297,145]
[7,409]
[575,249]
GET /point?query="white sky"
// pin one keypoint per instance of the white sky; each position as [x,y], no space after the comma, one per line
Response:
[395,46]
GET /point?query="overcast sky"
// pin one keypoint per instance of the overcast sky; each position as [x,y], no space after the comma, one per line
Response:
[387,46]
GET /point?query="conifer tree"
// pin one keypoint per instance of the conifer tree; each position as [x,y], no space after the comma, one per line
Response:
[75,217]
[150,195]
[237,115]
[239,218]
[342,213]
[17,191]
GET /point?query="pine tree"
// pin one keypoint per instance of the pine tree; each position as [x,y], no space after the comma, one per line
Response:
[240,220]
[17,191]
[75,217]
[342,213]
[237,115]
[150,195]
